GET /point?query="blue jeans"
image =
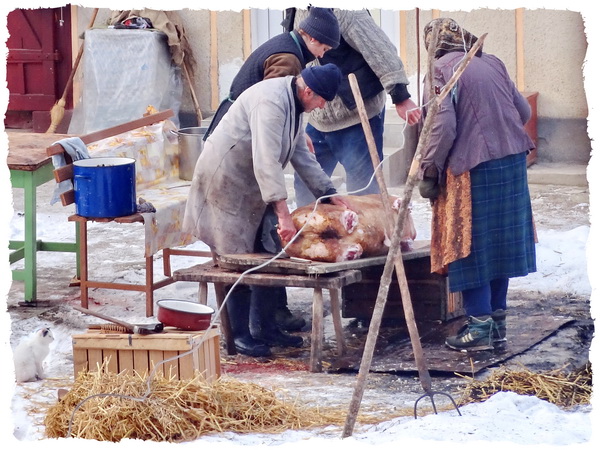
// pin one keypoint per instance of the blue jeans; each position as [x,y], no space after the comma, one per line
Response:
[483,300]
[349,148]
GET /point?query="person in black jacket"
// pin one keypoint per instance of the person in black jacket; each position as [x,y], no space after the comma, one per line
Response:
[282,55]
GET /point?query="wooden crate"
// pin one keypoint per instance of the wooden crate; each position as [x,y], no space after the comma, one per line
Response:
[129,353]
[429,294]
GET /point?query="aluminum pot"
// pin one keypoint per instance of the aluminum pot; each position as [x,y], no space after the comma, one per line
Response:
[104,187]
[190,144]
[184,314]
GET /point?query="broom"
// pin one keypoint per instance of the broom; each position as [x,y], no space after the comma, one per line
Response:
[58,110]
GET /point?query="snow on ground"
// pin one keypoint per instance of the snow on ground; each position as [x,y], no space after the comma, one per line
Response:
[506,417]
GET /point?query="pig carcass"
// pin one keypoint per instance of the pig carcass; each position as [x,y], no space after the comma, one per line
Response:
[332,233]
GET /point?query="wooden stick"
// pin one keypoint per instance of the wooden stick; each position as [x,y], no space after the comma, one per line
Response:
[193,92]
[58,110]
[392,262]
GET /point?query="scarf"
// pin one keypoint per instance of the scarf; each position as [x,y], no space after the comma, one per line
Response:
[451,37]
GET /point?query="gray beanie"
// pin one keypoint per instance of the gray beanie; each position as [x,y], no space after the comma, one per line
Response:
[322,25]
[323,80]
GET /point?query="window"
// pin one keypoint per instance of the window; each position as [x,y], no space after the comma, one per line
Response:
[265,23]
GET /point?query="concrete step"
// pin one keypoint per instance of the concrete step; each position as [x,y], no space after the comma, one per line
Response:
[562,174]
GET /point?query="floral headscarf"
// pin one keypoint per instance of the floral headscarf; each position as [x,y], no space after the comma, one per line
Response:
[451,37]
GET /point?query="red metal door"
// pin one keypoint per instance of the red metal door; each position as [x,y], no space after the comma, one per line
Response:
[39,57]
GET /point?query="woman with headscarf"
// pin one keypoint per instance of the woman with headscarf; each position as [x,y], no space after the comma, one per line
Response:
[474,171]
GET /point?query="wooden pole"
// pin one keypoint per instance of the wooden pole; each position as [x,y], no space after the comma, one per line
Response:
[394,261]
[214,60]
[520,48]
[189,79]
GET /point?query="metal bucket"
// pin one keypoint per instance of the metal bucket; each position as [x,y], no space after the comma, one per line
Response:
[190,146]
[104,187]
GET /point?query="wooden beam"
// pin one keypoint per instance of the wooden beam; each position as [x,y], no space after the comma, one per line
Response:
[77,88]
[403,38]
[520,52]
[247,34]
[214,61]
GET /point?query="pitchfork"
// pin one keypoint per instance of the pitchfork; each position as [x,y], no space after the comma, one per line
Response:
[394,258]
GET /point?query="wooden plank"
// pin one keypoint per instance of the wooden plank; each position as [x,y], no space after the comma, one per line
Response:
[215,359]
[156,357]
[67,198]
[80,361]
[246,33]
[334,300]
[316,344]
[141,362]
[402,45]
[126,364]
[63,173]
[134,218]
[196,358]
[172,342]
[94,358]
[187,365]
[203,361]
[214,61]
[171,367]
[111,357]
[150,119]
[27,151]
[520,50]
[208,273]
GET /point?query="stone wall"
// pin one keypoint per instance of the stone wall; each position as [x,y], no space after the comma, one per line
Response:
[543,49]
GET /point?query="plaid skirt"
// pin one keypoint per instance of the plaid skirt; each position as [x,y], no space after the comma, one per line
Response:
[503,235]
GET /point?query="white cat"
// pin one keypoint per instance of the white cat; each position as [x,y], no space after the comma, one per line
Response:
[29,355]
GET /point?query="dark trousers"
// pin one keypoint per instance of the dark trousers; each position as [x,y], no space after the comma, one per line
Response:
[483,300]
[252,309]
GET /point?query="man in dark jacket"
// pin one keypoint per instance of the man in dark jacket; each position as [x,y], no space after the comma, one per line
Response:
[282,55]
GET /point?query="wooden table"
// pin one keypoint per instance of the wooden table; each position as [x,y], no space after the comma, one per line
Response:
[220,277]
[31,167]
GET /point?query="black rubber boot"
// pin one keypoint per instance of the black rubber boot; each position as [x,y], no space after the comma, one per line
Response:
[266,330]
[283,316]
[238,309]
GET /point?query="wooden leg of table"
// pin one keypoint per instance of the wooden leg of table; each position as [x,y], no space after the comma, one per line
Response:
[83,256]
[203,293]
[316,345]
[149,289]
[334,296]
[30,242]
[167,262]
[77,253]
[225,327]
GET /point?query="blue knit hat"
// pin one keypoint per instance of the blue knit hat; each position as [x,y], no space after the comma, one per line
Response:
[323,80]
[322,25]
